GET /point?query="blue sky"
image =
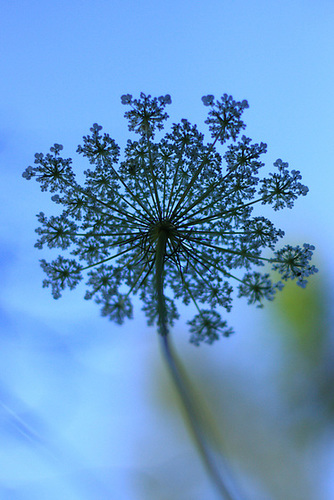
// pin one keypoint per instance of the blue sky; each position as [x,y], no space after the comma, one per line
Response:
[64,66]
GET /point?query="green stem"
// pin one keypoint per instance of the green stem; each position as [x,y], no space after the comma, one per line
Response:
[159,271]
[178,379]
[195,426]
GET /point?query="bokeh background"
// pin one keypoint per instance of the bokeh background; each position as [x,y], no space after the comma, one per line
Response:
[87,410]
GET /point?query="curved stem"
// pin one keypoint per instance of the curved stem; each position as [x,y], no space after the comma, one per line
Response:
[176,374]
[194,423]
[159,271]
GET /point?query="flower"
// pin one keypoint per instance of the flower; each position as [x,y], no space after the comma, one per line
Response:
[293,262]
[208,100]
[172,217]
[282,188]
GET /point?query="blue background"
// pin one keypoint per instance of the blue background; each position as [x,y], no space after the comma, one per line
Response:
[83,409]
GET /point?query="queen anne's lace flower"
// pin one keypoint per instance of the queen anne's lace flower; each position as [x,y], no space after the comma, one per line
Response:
[282,188]
[60,274]
[208,326]
[294,262]
[169,216]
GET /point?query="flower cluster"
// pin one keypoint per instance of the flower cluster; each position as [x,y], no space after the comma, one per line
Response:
[171,217]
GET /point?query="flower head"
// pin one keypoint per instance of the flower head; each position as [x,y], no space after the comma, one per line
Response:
[170,215]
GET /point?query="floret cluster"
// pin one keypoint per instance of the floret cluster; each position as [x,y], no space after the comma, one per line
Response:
[200,196]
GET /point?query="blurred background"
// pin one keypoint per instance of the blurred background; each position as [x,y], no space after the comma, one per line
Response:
[87,410]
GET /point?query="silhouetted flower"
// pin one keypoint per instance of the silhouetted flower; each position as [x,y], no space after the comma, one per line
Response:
[170,217]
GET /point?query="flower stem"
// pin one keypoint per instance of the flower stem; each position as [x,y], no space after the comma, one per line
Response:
[159,270]
[195,426]
[176,374]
